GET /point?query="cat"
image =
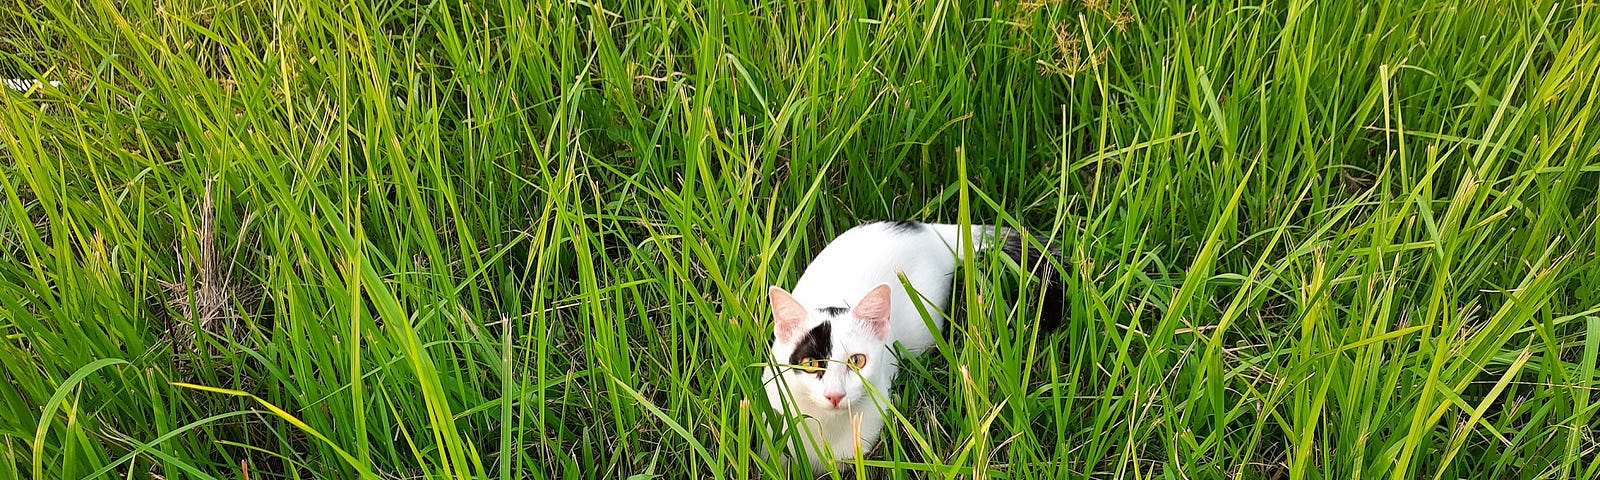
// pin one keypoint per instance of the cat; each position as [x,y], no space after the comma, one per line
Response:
[833,336]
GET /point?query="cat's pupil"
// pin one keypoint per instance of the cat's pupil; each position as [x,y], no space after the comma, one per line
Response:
[858,360]
[812,365]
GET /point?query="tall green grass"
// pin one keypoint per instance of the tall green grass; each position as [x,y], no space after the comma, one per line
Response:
[492,239]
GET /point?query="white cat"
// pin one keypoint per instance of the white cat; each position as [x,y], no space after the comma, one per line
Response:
[834,335]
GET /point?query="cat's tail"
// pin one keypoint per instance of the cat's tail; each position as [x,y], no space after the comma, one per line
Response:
[1010,241]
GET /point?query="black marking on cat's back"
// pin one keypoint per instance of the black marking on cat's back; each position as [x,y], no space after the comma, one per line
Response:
[901,226]
[833,311]
[1054,312]
[817,344]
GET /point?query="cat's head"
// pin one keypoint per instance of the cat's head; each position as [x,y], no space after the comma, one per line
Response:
[825,352]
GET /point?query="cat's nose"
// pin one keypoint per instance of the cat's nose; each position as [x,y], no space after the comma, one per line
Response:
[835,398]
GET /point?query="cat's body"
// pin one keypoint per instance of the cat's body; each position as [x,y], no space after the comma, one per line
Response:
[834,334]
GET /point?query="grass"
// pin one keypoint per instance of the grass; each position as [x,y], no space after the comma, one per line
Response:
[487,239]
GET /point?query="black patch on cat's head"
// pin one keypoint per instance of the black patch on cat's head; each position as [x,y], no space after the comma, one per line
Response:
[901,226]
[817,344]
[833,311]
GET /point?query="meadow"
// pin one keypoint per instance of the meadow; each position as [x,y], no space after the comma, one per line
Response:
[499,239]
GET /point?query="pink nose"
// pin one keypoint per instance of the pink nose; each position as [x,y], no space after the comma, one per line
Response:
[835,398]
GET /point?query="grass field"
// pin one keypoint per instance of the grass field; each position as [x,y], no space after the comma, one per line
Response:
[482,239]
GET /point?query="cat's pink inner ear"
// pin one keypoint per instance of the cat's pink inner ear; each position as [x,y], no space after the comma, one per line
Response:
[788,314]
[873,310]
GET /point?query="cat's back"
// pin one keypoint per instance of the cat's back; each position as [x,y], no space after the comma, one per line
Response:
[874,253]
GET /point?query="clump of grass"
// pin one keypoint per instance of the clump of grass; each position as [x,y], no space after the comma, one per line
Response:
[493,239]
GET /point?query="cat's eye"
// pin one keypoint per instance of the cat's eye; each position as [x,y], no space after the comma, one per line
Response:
[858,361]
[812,364]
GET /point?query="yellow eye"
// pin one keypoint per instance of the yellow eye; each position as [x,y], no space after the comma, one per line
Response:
[858,360]
[811,364]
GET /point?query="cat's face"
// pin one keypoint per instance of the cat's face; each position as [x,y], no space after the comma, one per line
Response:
[827,353]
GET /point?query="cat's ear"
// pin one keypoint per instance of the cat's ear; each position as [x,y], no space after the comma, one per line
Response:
[873,311]
[788,315]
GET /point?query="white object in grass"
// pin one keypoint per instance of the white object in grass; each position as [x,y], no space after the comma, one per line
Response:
[25,84]
[833,336]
